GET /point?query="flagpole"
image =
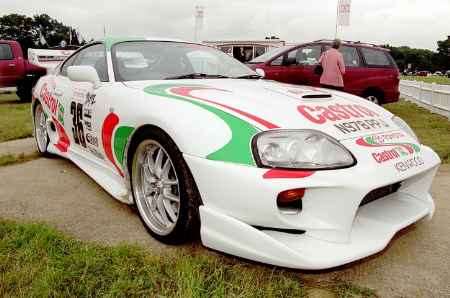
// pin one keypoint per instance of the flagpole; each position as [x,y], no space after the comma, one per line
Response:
[337,19]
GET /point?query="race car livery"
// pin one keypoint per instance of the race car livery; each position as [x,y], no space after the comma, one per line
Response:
[293,176]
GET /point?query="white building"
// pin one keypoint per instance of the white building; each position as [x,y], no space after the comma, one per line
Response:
[246,50]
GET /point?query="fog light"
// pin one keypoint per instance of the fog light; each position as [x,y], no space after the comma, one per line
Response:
[291,199]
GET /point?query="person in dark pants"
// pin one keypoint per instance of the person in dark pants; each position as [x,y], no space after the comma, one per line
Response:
[333,68]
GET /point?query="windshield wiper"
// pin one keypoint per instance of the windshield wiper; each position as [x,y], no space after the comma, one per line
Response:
[197,76]
[250,76]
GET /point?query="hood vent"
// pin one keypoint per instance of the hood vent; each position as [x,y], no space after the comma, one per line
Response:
[314,96]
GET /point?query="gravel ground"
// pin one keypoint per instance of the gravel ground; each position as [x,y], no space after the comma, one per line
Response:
[25,146]
[416,264]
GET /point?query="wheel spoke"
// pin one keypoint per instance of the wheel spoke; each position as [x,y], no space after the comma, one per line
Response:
[158,163]
[165,169]
[171,197]
[150,162]
[170,211]
[148,174]
[162,210]
[152,202]
[170,182]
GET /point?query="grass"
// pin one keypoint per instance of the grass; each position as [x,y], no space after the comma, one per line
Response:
[15,118]
[442,80]
[432,129]
[38,261]
[9,159]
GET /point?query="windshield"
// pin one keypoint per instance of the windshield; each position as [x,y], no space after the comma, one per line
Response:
[270,54]
[159,60]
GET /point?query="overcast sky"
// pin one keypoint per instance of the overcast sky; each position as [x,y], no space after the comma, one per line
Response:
[417,23]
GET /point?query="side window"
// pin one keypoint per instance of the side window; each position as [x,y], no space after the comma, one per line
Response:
[375,57]
[351,57]
[308,55]
[66,64]
[94,56]
[5,52]
[278,61]
[291,57]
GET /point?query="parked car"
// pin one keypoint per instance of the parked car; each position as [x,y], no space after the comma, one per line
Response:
[288,175]
[438,73]
[423,73]
[447,73]
[16,71]
[371,71]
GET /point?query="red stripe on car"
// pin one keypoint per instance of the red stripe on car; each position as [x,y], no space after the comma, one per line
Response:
[63,139]
[286,174]
[109,124]
[186,91]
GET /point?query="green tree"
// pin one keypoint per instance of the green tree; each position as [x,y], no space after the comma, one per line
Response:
[444,53]
[28,31]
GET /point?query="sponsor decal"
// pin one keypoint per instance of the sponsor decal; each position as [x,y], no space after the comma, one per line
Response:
[398,149]
[88,109]
[355,126]
[322,114]
[347,118]
[48,99]
[386,155]
[403,166]
[91,139]
[238,149]
[88,125]
[389,140]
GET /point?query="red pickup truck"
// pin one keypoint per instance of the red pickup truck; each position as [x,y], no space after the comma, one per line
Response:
[16,71]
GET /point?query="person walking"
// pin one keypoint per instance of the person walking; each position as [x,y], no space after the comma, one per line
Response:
[333,68]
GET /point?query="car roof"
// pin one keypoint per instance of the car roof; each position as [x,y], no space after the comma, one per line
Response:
[352,43]
[111,40]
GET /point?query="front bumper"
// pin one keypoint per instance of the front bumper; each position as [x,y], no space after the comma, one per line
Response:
[237,199]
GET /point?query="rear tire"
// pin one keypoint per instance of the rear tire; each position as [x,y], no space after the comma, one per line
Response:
[373,99]
[164,190]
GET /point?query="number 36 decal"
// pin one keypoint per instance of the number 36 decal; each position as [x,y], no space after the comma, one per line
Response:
[76,110]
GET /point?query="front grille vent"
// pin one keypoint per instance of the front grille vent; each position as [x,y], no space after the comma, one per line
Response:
[380,193]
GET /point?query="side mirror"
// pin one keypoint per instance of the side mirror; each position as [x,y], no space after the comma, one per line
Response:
[83,73]
[261,72]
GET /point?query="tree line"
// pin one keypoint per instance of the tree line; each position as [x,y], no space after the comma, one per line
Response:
[421,59]
[40,31]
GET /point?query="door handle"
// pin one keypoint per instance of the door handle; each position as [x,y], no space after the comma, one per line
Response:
[57,92]
[11,65]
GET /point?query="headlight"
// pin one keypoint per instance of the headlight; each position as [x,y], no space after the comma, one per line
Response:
[405,127]
[300,149]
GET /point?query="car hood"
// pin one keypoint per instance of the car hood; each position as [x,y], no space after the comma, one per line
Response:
[272,105]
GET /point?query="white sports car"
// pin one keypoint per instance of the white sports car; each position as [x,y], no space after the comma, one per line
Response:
[288,175]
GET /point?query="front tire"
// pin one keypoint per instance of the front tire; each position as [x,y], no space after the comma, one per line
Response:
[40,129]
[164,190]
